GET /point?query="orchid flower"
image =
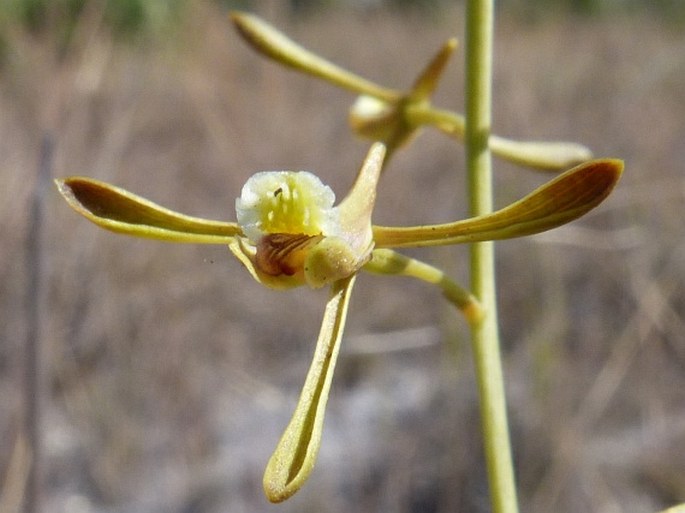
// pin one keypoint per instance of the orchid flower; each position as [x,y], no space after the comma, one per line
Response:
[392,116]
[289,232]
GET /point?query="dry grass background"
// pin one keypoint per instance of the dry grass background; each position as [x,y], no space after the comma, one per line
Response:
[169,374]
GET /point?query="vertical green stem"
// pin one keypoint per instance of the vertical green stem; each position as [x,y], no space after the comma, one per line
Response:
[485,335]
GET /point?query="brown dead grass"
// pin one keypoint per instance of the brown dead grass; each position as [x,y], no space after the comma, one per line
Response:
[170,373]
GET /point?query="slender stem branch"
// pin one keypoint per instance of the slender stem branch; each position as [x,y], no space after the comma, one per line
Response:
[485,335]
[387,261]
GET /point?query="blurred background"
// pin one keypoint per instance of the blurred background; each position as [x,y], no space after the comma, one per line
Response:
[159,377]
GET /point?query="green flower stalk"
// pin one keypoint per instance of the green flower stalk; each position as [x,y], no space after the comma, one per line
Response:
[289,233]
[485,336]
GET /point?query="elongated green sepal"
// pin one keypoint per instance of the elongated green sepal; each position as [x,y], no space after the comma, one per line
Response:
[567,197]
[295,454]
[120,211]
[275,45]
[540,155]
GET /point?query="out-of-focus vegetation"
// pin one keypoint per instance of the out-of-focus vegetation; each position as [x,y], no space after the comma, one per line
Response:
[135,16]
[122,16]
[168,371]
[541,8]
[154,18]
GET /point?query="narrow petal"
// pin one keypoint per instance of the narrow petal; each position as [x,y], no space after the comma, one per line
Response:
[567,197]
[428,80]
[356,209]
[272,43]
[295,454]
[120,211]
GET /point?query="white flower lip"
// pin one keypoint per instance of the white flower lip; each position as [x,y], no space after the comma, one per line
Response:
[295,202]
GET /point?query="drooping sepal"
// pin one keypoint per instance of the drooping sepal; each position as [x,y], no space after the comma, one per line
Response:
[293,459]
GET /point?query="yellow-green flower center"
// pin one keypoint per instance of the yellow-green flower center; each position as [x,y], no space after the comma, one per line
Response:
[289,202]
